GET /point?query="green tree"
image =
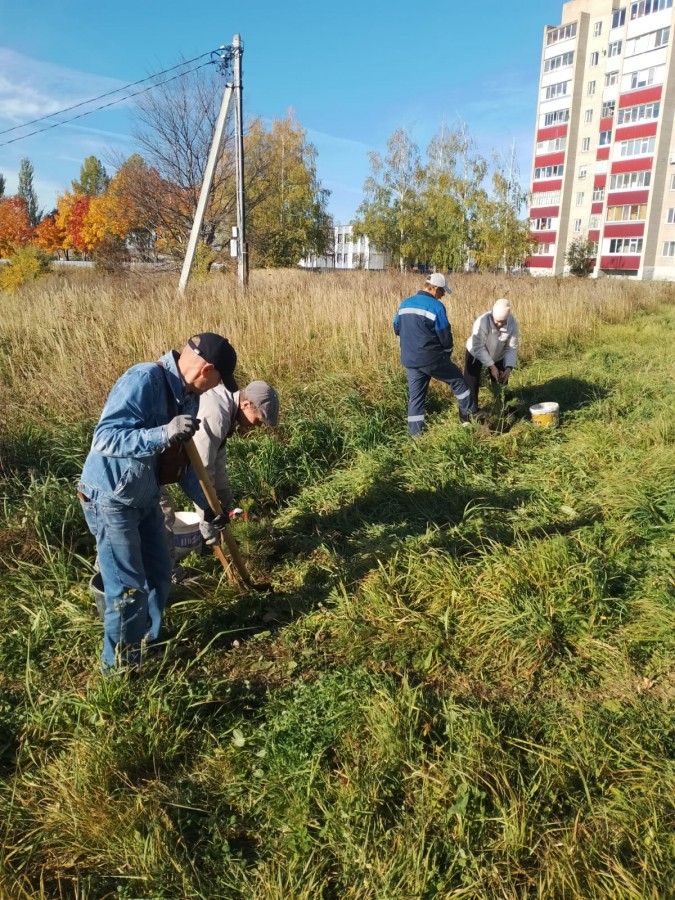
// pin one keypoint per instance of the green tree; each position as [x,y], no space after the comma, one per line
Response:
[391,213]
[286,205]
[580,257]
[27,191]
[3,184]
[502,237]
[456,172]
[93,178]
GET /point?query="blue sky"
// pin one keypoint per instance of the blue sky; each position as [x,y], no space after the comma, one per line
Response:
[352,72]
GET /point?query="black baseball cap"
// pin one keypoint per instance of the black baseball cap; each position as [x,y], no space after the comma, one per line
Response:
[218,351]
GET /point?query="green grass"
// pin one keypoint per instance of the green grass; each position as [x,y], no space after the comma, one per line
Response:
[461,686]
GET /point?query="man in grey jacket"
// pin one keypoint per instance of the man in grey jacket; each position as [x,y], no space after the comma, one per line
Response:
[493,344]
[222,413]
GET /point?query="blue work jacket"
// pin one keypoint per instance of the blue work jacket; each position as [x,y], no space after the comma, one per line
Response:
[422,325]
[131,433]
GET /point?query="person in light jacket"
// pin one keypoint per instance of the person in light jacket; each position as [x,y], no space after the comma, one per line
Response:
[150,411]
[493,344]
[222,413]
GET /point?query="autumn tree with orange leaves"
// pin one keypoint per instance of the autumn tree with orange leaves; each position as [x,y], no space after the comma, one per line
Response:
[15,229]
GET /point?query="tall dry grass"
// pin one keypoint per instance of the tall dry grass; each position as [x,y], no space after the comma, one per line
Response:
[66,339]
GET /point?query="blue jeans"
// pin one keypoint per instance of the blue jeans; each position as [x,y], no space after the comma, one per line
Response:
[136,572]
[418,384]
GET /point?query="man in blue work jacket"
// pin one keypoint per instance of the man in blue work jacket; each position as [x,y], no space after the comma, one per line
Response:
[150,412]
[426,344]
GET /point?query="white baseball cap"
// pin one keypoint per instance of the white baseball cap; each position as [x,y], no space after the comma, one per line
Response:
[438,280]
[501,309]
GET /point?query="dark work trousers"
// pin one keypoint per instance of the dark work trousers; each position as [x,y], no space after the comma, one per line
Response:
[418,384]
[472,369]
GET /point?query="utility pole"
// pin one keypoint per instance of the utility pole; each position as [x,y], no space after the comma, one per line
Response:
[242,246]
[225,59]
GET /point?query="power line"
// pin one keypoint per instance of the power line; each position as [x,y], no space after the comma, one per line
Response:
[110,103]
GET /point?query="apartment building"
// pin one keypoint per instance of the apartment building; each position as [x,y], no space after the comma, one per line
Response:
[348,252]
[604,155]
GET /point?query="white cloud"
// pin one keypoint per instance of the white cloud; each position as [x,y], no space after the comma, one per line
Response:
[30,88]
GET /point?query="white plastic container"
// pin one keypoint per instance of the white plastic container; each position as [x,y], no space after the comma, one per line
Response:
[545,415]
[186,535]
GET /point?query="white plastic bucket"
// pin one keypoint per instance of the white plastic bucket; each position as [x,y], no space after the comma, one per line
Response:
[186,535]
[545,415]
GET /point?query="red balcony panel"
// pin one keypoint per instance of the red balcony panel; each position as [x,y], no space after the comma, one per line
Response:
[599,181]
[549,159]
[632,165]
[544,237]
[603,153]
[607,123]
[644,129]
[547,185]
[597,207]
[549,134]
[644,95]
[543,212]
[539,262]
[622,197]
[620,262]
[594,234]
[624,229]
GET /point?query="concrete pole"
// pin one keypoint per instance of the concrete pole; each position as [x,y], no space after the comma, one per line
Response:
[242,249]
[206,189]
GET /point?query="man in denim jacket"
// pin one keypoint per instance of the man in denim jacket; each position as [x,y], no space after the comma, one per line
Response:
[150,408]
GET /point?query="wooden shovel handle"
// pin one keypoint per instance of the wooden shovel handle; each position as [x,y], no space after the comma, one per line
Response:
[214,503]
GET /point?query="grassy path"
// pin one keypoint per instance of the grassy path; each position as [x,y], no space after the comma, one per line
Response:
[461,687]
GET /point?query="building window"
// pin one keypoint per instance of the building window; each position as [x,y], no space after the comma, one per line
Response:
[618,17]
[548,172]
[561,34]
[591,88]
[545,198]
[544,224]
[551,146]
[614,48]
[624,180]
[625,245]
[588,116]
[586,144]
[583,171]
[611,78]
[580,198]
[559,62]
[595,58]
[634,212]
[639,113]
[594,222]
[542,250]
[668,248]
[597,29]
[605,138]
[670,218]
[641,79]
[645,7]
[577,226]
[637,147]
[608,109]
[672,182]
[662,37]
[557,117]
[598,194]
[556,90]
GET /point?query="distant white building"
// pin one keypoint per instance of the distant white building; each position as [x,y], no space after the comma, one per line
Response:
[348,252]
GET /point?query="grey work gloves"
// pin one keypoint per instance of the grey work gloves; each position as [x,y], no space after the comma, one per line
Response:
[212,526]
[181,428]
